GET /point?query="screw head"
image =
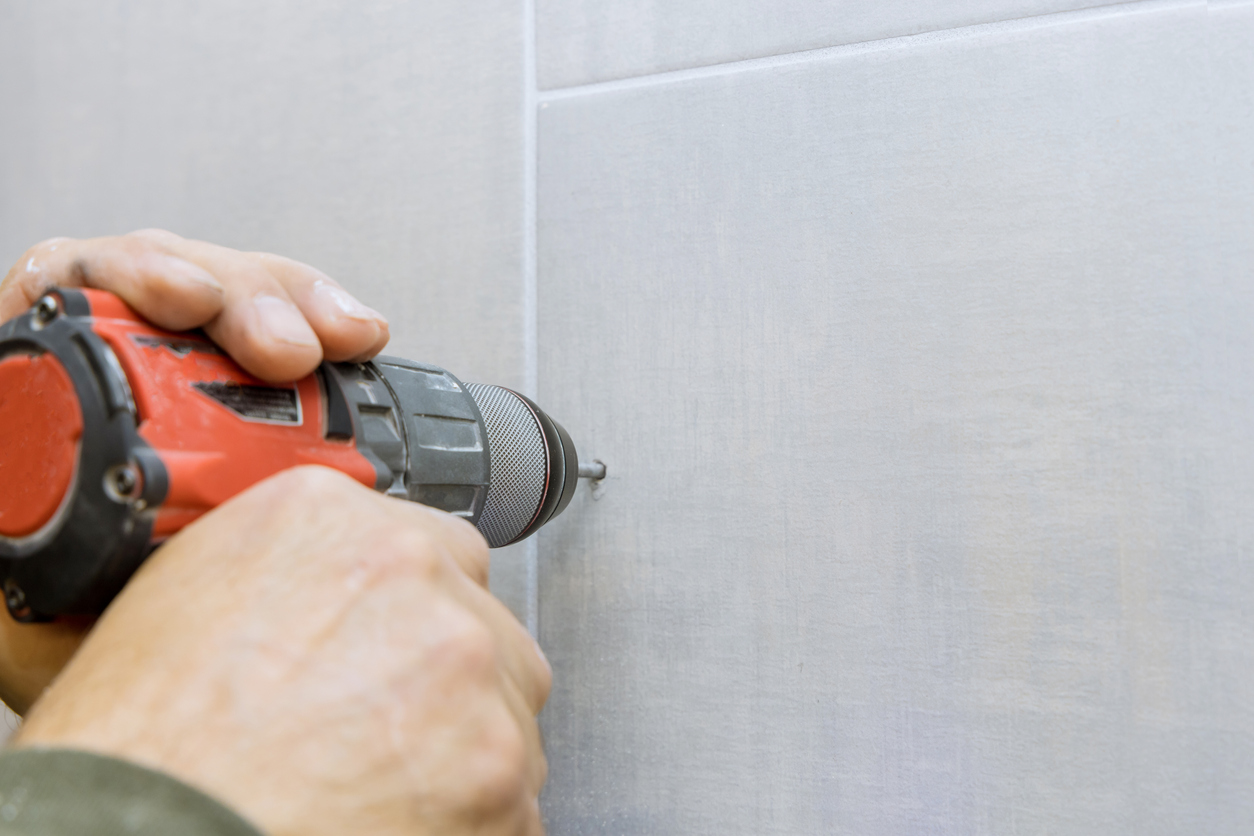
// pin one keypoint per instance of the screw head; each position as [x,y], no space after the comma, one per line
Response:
[121,483]
[15,599]
[124,480]
[47,309]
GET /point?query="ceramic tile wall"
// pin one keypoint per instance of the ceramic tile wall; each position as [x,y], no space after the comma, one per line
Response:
[922,374]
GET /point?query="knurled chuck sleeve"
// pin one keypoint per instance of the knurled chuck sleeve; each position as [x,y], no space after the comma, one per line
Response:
[481,452]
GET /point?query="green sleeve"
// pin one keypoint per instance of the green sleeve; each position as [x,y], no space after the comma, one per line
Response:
[59,792]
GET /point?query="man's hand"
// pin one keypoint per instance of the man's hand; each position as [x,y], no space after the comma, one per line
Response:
[324,659]
[278,318]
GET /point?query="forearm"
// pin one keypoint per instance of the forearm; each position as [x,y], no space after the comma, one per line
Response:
[59,792]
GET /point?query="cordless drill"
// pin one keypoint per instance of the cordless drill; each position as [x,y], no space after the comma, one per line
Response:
[114,434]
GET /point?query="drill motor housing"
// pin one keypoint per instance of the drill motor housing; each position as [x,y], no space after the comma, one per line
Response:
[114,434]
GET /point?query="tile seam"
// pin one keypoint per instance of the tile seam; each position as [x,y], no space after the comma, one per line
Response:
[530,316]
[785,59]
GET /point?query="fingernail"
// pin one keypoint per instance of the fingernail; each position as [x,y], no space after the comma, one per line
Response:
[283,321]
[181,270]
[345,303]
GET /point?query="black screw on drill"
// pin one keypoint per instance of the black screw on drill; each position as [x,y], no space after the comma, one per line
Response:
[47,309]
[122,483]
[15,600]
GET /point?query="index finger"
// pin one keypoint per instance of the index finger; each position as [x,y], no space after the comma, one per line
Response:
[276,317]
[169,291]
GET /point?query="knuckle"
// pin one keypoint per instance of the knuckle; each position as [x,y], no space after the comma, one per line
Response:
[535,676]
[292,274]
[248,276]
[404,552]
[127,258]
[311,487]
[461,649]
[465,542]
[448,539]
[474,545]
[377,544]
[154,235]
[30,275]
[48,245]
[30,266]
[281,263]
[500,781]
[471,646]
[80,272]
[422,556]
[422,543]
[542,677]
[542,771]
[312,483]
[132,245]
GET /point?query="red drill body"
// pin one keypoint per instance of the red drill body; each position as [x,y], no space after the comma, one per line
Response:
[116,434]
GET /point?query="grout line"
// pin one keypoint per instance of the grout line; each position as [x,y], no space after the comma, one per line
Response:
[532,558]
[530,347]
[530,161]
[788,59]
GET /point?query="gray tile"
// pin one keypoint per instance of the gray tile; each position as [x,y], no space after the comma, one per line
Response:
[583,41]
[923,375]
[378,141]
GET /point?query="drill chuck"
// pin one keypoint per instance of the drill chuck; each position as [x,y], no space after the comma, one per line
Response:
[116,434]
[481,452]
